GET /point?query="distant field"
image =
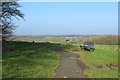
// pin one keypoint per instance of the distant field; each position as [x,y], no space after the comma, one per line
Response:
[100,39]
[43,39]
[49,39]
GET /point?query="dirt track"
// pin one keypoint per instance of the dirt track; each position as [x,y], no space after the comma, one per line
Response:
[69,65]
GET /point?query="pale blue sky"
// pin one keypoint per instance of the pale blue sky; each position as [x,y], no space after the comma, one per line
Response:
[59,18]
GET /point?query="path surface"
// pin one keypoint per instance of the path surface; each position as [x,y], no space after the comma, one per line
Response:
[69,65]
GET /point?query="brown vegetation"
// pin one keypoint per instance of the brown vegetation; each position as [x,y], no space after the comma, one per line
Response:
[108,65]
[105,39]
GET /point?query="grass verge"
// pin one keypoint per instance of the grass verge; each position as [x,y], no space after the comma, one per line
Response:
[102,63]
[29,61]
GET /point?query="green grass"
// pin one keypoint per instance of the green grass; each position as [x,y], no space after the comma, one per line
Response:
[104,54]
[37,61]
[29,61]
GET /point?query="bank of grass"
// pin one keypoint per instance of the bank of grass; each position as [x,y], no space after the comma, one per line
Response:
[29,61]
[102,63]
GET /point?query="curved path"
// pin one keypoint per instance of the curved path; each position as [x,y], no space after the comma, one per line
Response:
[69,65]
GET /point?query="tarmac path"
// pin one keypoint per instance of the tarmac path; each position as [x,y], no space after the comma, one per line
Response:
[70,66]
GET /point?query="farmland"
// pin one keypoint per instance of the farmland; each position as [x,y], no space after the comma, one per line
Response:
[36,60]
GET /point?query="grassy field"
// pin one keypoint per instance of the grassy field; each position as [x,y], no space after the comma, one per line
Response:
[29,61]
[37,61]
[43,39]
[102,63]
[61,40]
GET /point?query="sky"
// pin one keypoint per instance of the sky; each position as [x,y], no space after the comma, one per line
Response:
[69,0]
[62,18]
